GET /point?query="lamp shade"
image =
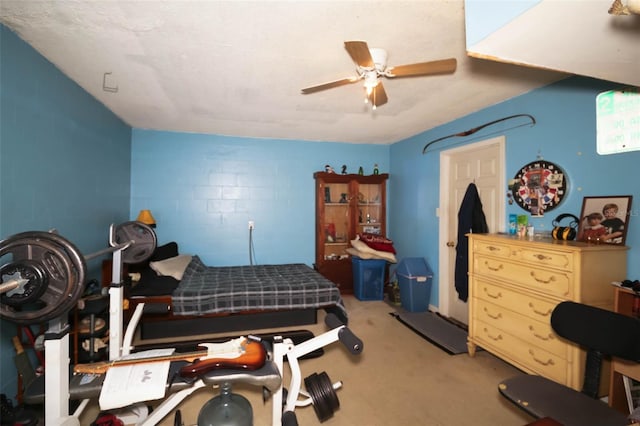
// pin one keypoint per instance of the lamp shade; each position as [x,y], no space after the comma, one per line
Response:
[146,217]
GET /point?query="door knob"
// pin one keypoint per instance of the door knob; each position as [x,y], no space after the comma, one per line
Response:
[450,244]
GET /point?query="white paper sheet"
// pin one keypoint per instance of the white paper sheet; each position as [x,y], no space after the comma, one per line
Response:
[128,384]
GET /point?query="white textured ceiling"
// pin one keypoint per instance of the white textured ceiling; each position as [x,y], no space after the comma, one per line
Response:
[598,44]
[237,67]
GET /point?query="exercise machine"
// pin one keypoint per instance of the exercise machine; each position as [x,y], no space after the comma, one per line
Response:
[43,277]
[320,392]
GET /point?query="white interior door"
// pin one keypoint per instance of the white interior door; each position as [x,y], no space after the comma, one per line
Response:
[483,164]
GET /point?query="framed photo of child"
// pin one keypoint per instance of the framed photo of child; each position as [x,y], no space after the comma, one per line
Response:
[604,219]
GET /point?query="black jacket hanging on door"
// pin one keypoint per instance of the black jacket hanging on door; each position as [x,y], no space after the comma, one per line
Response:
[470,219]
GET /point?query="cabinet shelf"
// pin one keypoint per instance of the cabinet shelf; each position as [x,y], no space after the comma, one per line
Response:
[363,198]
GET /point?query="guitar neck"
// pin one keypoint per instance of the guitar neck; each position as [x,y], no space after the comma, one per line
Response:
[102,367]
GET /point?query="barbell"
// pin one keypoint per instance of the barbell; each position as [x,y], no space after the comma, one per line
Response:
[44,274]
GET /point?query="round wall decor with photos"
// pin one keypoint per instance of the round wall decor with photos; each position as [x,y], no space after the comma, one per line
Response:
[539,187]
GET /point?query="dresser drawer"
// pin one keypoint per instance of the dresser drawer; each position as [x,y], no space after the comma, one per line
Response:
[537,333]
[528,357]
[492,248]
[533,307]
[544,258]
[549,281]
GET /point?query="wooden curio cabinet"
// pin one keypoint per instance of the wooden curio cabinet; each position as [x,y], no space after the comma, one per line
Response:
[346,205]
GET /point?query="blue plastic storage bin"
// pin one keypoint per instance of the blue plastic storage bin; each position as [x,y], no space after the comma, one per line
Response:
[368,278]
[414,278]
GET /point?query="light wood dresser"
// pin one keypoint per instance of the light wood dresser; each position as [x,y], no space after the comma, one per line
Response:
[514,284]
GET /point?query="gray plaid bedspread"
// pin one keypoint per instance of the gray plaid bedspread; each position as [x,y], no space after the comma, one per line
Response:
[207,290]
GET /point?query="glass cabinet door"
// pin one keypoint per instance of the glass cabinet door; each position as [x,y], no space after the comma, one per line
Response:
[370,214]
[336,220]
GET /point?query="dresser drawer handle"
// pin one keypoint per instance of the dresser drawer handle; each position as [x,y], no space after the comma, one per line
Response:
[497,316]
[551,278]
[496,338]
[535,311]
[539,361]
[493,296]
[545,338]
[493,268]
[492,248]
[542,257]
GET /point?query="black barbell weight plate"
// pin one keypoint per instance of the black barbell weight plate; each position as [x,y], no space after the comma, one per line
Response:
[79,267]
[63,265]
[25,293]
[329,394]
[61,276]
[324,397]
[21,250]
[144,241]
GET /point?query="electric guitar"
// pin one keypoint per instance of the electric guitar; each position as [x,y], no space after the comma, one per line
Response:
[236,354]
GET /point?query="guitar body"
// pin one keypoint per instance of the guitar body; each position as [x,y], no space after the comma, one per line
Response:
[252,357]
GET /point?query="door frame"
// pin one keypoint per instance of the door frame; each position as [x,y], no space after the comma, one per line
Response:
[445,270]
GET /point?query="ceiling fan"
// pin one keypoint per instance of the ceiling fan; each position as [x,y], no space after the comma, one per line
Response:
[371,64]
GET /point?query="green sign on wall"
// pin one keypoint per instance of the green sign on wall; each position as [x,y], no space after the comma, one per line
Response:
[618,121]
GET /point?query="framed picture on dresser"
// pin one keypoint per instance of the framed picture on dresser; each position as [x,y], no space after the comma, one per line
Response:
[604,219]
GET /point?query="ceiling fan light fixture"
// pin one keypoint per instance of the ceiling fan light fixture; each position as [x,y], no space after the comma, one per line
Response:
[370,81]
[379,57]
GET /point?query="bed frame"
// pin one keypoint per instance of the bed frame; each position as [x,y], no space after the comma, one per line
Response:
[160,321]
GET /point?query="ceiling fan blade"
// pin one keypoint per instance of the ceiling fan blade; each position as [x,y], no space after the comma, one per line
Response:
[443,66]
[359,52]
[378,95]
[330,85]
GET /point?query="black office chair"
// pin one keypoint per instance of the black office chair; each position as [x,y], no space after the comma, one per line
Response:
[601,333]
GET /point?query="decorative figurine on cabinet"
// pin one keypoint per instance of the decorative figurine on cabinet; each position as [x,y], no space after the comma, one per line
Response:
[328,169]
[375,169]
[344,169]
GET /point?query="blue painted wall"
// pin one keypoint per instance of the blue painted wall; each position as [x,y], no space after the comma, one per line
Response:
[204,189]
[64,163]
[565,134]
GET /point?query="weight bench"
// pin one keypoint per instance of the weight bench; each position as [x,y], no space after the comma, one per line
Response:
[88,386]
[322,395]
[85,387]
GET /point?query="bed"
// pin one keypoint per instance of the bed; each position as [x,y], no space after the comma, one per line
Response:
[185,297]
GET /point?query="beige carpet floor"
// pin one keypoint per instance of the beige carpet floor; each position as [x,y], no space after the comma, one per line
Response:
[399,379]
